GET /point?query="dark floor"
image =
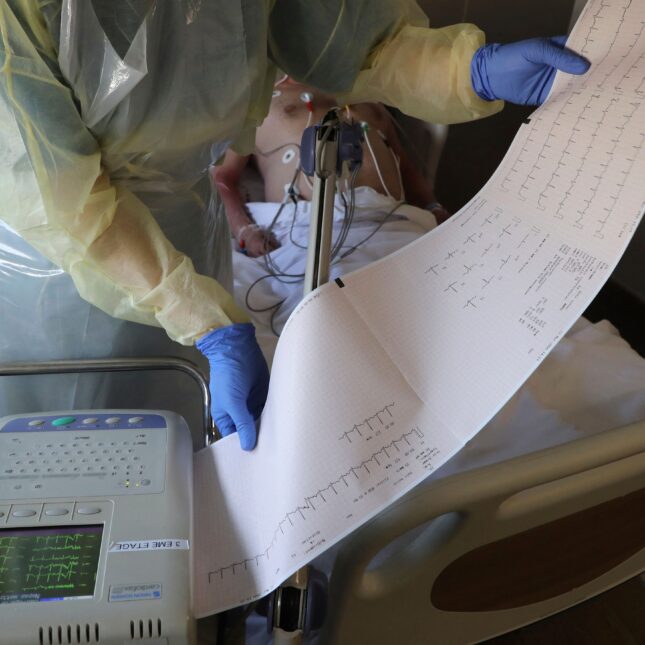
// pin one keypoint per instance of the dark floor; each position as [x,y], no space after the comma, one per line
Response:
[625,310]
[616,617]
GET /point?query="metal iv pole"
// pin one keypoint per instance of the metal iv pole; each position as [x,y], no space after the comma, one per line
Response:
[325,149]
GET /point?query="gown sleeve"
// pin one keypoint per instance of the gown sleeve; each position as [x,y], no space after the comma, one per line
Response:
[57,195]
[381,51]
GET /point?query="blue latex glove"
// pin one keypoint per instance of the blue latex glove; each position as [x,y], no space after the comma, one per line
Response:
[239,380]
[523,72]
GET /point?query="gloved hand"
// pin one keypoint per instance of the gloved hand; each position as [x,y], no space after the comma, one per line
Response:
[239,380]
[522,72]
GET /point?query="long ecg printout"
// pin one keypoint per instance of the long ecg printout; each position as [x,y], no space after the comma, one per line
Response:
[377,383]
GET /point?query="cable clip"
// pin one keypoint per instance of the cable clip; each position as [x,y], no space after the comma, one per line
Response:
[293,195]
[308,99]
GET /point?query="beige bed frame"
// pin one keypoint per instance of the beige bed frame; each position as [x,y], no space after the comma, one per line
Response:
[507,545]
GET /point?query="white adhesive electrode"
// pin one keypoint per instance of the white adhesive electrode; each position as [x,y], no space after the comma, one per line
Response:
[288,156]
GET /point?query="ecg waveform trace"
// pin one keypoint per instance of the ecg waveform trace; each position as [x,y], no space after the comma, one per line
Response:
[375,460]
[621,24]
[371,425]
[48,566]
[561,177]
[565,176]
[514,244]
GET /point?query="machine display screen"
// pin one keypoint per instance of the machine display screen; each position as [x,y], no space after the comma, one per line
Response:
[53,563]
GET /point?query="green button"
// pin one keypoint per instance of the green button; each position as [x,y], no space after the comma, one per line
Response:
[63,421]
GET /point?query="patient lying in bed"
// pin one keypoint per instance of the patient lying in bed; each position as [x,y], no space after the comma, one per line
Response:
[394,204]
[386,168]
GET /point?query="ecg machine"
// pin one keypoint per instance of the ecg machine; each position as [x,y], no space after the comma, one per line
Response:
[95,528]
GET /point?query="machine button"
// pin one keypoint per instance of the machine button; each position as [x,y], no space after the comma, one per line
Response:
[113,420]
[63,421]
[88,510]
[145,482]
[90,421]
[135,419]
[24,512]
[56,511]
[36,423]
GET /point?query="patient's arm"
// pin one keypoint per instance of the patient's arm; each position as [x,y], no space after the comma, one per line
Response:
[253,240]
[418,191]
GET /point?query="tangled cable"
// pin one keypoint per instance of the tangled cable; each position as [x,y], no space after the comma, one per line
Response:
[273,271]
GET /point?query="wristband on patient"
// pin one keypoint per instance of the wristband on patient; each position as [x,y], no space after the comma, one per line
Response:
[241,242]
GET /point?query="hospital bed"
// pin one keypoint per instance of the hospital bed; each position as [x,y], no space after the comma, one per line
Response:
[503,546]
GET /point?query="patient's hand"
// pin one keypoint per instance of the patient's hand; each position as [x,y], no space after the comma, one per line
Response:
[255,240]
[440,212]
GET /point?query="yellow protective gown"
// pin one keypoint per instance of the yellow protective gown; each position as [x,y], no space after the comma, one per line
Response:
[112,110]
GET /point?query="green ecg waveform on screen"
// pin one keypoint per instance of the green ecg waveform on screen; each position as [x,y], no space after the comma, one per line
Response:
[46,564]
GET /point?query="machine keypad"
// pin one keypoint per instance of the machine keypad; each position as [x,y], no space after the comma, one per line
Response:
[88,510]
[49,514]
[56,512]
[124,460]
[81,455]
[25,512]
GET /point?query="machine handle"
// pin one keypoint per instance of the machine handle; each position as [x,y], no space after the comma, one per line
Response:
[120,365]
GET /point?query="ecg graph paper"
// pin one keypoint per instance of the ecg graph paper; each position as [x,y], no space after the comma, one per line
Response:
[377,383]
